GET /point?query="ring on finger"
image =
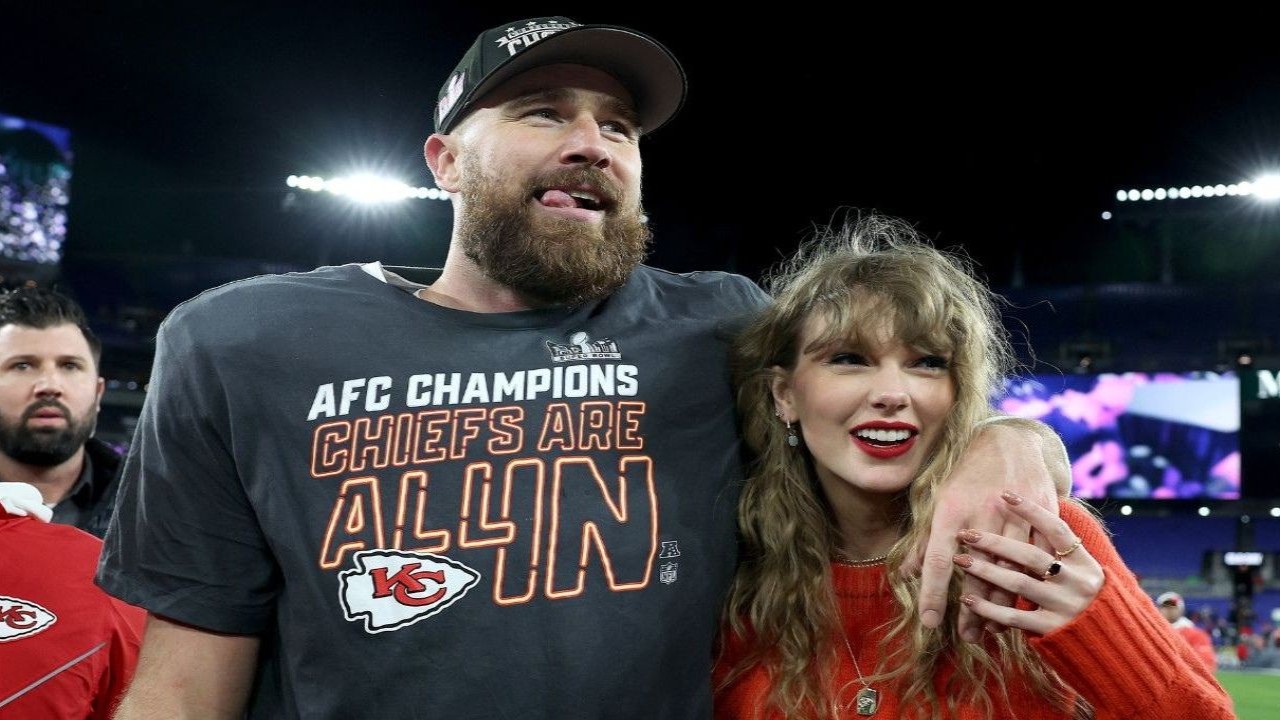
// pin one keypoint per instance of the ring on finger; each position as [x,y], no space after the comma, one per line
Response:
[1063,553]
[1055,567]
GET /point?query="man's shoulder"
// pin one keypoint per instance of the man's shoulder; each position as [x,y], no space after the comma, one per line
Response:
[267,296]
[71,545]
[729,289]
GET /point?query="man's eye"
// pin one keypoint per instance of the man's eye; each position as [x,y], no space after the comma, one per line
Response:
[617,127]
[543,113]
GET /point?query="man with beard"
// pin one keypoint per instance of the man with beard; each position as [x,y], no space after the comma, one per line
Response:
[49,396]
[503,488]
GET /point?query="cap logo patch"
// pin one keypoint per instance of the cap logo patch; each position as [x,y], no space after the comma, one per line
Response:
[22,618]
[453,91]
[518,39]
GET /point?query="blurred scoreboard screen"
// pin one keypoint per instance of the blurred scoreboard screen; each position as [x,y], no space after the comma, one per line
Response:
[35,178]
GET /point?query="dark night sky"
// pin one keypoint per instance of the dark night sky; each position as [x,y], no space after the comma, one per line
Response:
[1004,133]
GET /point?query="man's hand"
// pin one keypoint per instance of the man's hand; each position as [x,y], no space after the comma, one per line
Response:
[1017,454]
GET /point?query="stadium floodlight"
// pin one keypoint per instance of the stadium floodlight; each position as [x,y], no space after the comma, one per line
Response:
[1266,188]
[365,188]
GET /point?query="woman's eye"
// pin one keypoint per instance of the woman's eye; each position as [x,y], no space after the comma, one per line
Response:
[847,359]
[934,362]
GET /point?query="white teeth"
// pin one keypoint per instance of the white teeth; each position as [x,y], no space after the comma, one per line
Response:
[585,197]
[884,435]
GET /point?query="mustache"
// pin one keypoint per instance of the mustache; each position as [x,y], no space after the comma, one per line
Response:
[39,405]
[589,176]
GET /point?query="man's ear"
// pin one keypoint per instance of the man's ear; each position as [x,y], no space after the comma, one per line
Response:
[442,157]
[783,397]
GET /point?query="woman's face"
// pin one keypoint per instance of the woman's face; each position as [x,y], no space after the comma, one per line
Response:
[868,415]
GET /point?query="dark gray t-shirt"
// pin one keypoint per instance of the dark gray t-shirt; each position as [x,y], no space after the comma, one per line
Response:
[425,512]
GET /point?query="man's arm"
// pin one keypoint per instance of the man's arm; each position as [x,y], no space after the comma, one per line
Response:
[1006,453]
[185,672]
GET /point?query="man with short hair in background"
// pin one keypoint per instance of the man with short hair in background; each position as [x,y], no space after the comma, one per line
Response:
[50,392]
[1174,609]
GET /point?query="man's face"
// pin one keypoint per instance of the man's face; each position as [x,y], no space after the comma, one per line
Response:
[549,180]
[1170,611]
[49,393]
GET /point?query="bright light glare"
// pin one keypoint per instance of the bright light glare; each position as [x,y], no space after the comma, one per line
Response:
[1204,512]
[1126,509]
[1267,187]
[366,189]
[369,189]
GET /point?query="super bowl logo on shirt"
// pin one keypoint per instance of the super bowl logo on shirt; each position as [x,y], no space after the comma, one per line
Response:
[22,618]
[582,347]
[391,589]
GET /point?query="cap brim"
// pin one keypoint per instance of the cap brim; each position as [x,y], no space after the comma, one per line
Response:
[647,69]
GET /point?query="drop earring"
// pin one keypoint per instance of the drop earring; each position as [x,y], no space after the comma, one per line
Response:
[792,438]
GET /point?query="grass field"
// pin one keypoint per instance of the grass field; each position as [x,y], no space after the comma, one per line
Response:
[1256,694]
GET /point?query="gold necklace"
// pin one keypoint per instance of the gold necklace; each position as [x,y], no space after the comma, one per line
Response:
[846,560]
[867,701]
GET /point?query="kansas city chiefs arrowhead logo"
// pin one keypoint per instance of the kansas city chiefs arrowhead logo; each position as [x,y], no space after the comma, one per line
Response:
[390,589]
[22,618]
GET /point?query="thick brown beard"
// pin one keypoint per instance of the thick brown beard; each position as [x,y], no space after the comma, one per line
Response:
[551,261]
[45,448]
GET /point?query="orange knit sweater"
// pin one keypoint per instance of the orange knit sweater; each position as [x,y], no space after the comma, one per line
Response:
[1119,654]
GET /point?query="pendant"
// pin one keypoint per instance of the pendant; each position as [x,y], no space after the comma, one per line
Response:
[867,701]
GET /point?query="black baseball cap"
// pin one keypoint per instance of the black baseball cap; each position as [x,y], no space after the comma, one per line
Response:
[643,65]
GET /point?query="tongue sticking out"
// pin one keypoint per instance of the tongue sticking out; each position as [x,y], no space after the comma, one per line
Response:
[558,199]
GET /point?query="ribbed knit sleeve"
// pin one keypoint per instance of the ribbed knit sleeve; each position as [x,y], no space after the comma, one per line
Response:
[1121,655]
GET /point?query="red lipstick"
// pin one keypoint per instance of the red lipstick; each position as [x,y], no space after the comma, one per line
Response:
[885,451]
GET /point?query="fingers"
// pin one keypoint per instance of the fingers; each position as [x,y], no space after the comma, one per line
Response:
[969,624]
[1061,581]
[1053,529]
[1005,616]
[1019,572]
[935,576]
[1017,529]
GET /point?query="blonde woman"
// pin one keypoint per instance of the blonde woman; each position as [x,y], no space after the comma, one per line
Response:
[859,388]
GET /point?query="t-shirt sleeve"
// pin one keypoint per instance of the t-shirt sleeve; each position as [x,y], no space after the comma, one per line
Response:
[185,542]
[741,300]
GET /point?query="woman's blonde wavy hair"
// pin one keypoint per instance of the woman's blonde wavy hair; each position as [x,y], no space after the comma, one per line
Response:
[855,276]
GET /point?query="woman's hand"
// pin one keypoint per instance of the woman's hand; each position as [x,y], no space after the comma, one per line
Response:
[1061,583]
